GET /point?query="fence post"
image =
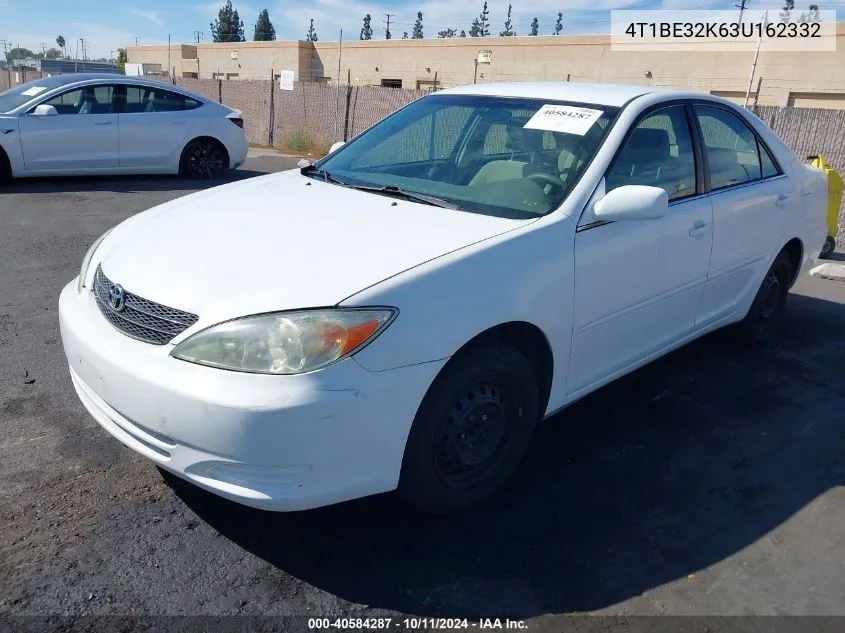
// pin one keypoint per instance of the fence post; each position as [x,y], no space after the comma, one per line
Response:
[219,90]
[272,109]
[346,114]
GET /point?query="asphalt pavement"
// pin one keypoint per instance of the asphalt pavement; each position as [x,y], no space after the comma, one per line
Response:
[710,482]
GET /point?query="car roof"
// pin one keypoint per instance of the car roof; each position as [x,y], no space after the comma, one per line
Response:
[57,81]
[600,94]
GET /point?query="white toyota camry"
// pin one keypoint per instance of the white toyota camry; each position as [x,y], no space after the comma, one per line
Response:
[402,313]
[88,124]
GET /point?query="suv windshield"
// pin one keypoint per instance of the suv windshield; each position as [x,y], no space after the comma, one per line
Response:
[17,96]
[495,155]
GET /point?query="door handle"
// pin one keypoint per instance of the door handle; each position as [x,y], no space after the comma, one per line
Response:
[178,122]
[780,199]
[102,122]
[698,229]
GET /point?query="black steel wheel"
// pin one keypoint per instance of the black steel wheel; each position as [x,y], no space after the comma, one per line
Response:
[204,159]
[471,430]
[769,301]
[828,248]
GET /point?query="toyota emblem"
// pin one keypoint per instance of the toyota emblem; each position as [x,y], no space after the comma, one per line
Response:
[117,297]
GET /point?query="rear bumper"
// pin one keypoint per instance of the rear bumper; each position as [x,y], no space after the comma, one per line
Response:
[271,442]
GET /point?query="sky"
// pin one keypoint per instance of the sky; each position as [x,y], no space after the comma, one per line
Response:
[106,25]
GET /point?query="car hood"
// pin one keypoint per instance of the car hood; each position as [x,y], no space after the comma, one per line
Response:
[277,242]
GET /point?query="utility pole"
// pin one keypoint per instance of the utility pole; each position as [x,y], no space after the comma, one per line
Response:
[168,55]
[741,7]
[198,36]
[43,48]
[387,29]
[137,39]
[756,55]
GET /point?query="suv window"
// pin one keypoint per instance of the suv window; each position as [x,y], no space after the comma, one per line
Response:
[144,99]
[733,150]
[87,100]
[659,153]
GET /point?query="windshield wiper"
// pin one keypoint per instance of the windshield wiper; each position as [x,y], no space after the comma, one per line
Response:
[398,192]
[322,173]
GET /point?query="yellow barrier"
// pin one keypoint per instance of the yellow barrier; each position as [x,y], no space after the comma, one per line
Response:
[834,200]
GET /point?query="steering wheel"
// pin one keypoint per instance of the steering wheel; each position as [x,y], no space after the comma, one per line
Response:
[547,179]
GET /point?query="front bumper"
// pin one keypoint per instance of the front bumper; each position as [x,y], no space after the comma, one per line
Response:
[271,442]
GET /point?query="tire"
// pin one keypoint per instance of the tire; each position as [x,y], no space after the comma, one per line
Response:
[828,248]
[768,303]
[203,159]
[5,167]
[471,431]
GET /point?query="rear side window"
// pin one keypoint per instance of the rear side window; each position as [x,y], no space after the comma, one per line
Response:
[733,151]
[143,99]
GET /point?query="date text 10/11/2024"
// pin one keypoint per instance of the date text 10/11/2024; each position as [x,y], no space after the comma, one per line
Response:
[425,624]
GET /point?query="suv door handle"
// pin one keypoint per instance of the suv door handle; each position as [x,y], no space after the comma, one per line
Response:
[780,199]
[102,122]
[699,229]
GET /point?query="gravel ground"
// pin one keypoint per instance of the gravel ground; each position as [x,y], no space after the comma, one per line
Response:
[707,483]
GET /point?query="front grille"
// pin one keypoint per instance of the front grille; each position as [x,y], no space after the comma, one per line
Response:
[141,318]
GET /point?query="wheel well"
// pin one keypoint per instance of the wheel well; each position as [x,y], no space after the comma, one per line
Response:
[531,342]
[5,165]
[206,138]
[795,249]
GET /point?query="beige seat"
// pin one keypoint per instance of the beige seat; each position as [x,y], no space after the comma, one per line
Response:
[519,140]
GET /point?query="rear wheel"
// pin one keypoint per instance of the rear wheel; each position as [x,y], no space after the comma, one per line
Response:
[768,303]
[203,159]
[828,248]
[472,429]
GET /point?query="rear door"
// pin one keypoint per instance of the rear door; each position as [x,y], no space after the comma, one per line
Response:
[154,125]
[82,138]
[751,198]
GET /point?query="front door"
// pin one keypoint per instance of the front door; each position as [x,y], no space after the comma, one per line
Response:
[83,137]
[638,283]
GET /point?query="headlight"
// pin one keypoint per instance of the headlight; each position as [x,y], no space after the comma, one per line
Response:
[86,261]
[285,342]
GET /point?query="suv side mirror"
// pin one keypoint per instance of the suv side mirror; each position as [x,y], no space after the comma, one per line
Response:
[632,202]
[44,110]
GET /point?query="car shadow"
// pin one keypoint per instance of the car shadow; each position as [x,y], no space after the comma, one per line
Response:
[120,184]
[661,474]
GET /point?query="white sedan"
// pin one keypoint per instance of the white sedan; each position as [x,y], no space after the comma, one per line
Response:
[402,313]
[89,124]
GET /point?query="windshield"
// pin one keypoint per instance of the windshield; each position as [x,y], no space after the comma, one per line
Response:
[17,96]
[500,156]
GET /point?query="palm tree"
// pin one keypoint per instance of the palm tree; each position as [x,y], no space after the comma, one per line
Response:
[60,40]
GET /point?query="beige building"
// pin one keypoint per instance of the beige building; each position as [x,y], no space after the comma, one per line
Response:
[784,78]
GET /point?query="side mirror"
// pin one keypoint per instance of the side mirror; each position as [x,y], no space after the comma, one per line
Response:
[44,110]
[336,146]
[632,202]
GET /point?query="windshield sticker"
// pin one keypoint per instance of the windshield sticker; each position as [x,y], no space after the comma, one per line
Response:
[35,90]
[568,119]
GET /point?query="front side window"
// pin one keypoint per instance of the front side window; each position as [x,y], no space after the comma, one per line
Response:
[494,155]
[658,153]
[733,151]
[87,100]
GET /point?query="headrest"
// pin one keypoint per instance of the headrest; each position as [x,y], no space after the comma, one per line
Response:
[653,141]
[721,159]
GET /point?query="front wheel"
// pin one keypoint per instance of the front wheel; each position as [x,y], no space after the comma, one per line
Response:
[203,159]
[471,431]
